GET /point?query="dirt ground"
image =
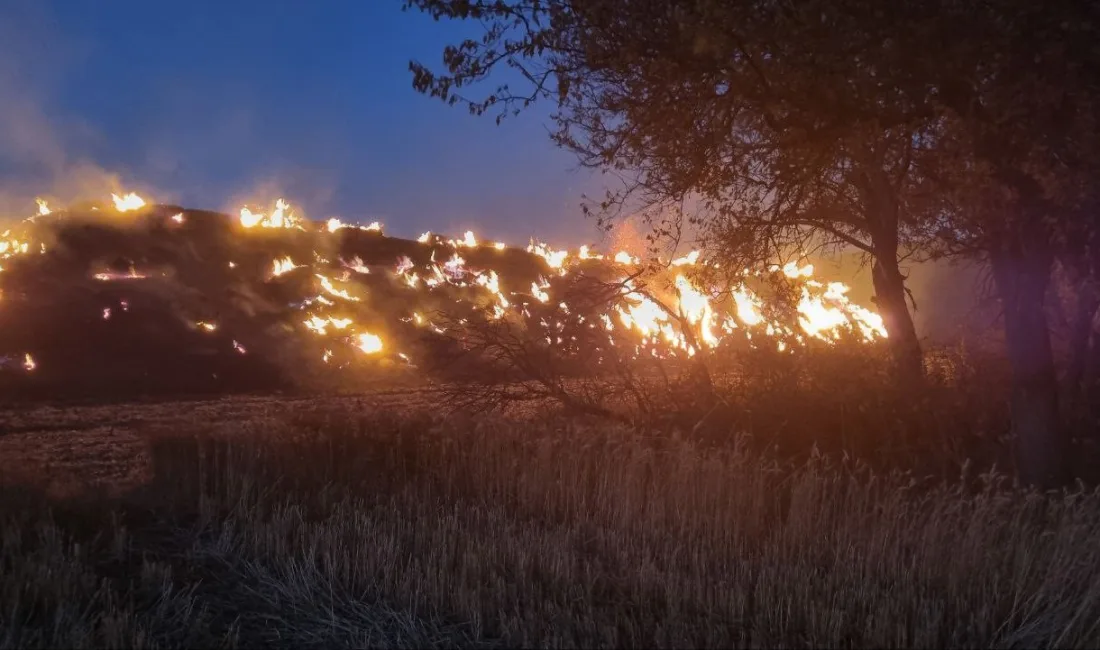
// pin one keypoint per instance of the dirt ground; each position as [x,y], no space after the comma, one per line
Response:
[66,449]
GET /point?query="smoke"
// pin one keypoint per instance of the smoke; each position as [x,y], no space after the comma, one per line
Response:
[36,140]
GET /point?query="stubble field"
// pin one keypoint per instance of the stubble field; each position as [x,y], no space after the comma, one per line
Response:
[378,520]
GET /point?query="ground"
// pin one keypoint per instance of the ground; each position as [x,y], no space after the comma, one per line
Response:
[66,448]
[379,520]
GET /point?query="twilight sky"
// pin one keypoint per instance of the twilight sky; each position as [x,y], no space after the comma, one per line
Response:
[208,102]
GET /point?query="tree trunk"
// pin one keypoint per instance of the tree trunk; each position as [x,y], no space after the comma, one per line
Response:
[890,299]
[1021,269]
[880,200]
[1088,301]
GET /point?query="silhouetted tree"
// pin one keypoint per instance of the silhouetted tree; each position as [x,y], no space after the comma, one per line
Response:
[935,127]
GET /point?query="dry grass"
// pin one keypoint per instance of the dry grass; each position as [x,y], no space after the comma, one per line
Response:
[336,527]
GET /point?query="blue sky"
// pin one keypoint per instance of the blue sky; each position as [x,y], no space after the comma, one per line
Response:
[208,102]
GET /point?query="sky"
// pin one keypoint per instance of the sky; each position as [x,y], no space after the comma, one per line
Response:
[209,103]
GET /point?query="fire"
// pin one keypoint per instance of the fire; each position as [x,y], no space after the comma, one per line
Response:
[555,259]
[697,309]
[822,316]
[29,363]
[321,325]
[281,217]
[356,264]
[281,266]
[43,208]
[672,310]
[539,291]
[129,275]
[369,343]
[130,201]
[748,306]
[455,267]
[793,270]
[331,289]
[689,259]
[623,257]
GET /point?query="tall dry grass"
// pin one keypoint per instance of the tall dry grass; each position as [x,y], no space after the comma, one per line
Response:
[339,528]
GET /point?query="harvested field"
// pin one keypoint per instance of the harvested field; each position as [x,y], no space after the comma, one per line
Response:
[374,520]
[67,448]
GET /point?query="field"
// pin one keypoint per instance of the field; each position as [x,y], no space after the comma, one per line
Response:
[376,520]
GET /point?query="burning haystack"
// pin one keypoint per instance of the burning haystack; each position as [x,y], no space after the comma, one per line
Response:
[127,297]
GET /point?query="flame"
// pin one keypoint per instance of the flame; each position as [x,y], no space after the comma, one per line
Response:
[667,318]
[280,266]
[622,257]
[748,306]
[281,217]
[329,288]
[689,259]
[455,267]
[539,291]
[356,264]
[491,281]
[321,325]
[793,270]
[404,264]
[43,208]
[821,317]
[130,201]
[554,259]
[130,275]
[368,343]
[696,307]
[29,363]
